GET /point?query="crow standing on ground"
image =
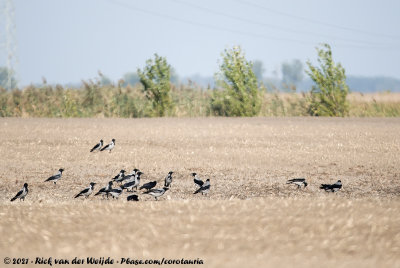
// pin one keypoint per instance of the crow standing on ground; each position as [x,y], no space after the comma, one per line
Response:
[21,194]
[148,185]
[168,179]
[134,183]
[105,190]
[87,191]
[332,187]
[204,188]
[120,175]
[197,180]
[109,146]
[156,192]
[298,181]
[56,177]
[115,193]
[129,177]
[97,147]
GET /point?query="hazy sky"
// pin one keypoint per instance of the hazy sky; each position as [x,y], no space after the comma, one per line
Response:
[69,40]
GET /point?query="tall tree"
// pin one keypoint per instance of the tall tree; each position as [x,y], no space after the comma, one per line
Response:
[328,95]
[240,95]
[155,78]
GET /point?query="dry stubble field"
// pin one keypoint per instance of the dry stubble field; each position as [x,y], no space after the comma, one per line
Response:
[251,217]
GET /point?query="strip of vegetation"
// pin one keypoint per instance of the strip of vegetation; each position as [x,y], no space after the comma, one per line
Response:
[238,94]
[94,100]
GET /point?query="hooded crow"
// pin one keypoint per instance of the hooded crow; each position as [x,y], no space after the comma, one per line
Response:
[119,176]
[168,179]
[133,197]
[298,181]
[87,191]
[22,193]
[56,177]
[134,183]
[109,146]
[97,147]
[148,185]
[105,190]
[129,177]
[197,180]
[115,193]
[156,192]
[332,187]
[204,189]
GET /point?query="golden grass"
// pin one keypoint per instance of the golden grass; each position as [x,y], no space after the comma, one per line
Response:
[99,101]
[251,218]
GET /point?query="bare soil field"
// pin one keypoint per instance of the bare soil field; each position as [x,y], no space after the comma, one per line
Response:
[251,218]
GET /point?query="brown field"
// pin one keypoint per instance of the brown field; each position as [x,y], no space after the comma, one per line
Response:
[251,217]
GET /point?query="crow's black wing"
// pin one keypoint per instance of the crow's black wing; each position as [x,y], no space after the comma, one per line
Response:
[17,195]
[296,180]
[95,147]
[82,192]
[102,190]
[54,177]
[198,182]
[148,185]
[105,147]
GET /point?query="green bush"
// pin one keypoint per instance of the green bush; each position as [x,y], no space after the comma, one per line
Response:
[155,78]
[328,96]
[239,95]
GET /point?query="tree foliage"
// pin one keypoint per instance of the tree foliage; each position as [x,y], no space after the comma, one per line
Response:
[328,95]
[155,78]
[240,95]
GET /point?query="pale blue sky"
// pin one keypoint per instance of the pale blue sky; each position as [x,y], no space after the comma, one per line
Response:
[69,40]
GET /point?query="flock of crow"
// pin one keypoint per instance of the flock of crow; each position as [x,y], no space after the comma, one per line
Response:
[132,180]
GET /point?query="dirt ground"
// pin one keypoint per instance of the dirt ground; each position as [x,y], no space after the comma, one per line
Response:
[251,217]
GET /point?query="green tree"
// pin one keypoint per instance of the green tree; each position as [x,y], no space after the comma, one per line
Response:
[155,78]
[328,95]
[240,95]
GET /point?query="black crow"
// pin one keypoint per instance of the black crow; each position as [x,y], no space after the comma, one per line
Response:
[168,179]
[87,191]
[148,185]
[204,189]
[56,177]
[197,180]
[133,197]
[109,146]
[156,192]
[97,147]
[22,193]
[298,181]
[105,190]
[332,187]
